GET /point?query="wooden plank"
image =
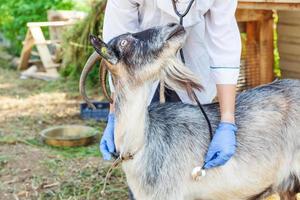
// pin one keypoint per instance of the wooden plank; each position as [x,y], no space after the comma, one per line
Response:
[44,76]
[49,42]
[26,51]
[266,40]
[289,30]
[290,57]
[290,66]
[289,13]
[269,5]
[290,74]
[65,15]
[271,1]
[35,53]
[43,50]
[243,15]
[55,23]
[289,20]
[35,62]
[289,48]
[289,39]
[55,27]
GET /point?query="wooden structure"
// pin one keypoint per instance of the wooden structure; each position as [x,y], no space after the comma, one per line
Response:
[269,4]
[289,43]
[256,24]
[35,37]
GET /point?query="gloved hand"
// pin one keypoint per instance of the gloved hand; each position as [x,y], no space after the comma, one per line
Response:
[222,146]
[107,145]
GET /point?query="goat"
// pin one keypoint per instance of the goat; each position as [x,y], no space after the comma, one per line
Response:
[166,141]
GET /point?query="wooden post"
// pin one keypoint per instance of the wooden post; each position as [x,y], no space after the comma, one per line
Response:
[266,43]
[252,57]
[259,58]
[26,51]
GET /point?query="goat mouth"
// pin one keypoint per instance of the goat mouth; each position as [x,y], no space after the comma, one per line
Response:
[178,31]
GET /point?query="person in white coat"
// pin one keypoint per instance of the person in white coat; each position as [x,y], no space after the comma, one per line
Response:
[212,51]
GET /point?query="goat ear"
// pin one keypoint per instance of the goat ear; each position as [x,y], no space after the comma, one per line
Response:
[103,50]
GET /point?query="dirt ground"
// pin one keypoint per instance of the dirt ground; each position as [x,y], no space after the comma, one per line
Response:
[30,169]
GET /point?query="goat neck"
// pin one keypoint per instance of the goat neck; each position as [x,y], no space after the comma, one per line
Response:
[131,116]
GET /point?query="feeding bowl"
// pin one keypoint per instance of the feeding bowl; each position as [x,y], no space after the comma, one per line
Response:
[69,135]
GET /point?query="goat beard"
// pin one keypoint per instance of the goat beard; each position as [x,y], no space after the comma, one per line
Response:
[176,75]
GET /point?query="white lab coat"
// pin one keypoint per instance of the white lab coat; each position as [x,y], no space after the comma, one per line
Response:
[213,46]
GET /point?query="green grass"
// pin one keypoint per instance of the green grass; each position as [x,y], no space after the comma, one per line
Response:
[8,139]
[77,152]
[3,161]
[66,152]
[79,171]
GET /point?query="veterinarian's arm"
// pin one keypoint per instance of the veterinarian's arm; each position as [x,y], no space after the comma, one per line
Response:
[226,97]
[224,48]
[121,16]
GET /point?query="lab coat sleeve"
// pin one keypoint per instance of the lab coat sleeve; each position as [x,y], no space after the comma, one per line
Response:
[223,41]
[121,16]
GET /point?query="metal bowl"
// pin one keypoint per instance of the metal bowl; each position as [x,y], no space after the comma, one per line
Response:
[69,135]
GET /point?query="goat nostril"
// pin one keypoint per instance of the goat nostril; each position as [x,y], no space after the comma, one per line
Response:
[171,25]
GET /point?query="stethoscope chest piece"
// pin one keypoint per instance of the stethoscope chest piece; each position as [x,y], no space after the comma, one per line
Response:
[197,173]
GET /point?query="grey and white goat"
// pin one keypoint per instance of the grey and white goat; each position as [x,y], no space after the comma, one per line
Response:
[168,140]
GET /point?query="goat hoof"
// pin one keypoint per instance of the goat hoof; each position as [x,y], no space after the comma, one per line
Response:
[197,173]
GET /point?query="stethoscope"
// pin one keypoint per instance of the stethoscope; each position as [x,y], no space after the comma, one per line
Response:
[181,16]
[197,171]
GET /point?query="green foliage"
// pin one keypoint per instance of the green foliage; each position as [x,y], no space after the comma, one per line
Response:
[276,51]
[77,46]
[16,13]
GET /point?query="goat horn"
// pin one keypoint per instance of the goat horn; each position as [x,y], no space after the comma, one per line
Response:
[103,76]
[87,68]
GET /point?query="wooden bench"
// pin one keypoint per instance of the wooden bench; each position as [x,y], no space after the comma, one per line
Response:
[35,37]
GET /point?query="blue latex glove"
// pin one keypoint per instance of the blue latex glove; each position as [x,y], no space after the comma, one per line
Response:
[107,145]
[222,146]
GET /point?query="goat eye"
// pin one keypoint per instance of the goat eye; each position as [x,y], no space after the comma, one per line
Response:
[124,43]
